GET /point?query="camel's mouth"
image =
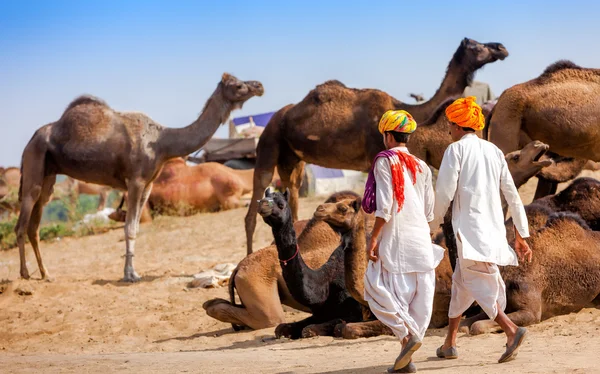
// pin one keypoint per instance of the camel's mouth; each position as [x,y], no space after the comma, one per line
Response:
[542,149]
[320,215]
[499,52]
[265,207]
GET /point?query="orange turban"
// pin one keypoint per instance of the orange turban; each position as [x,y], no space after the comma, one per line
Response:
[466,113]
[397,120]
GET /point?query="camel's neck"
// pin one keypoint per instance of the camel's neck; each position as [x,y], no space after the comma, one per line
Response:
[181,142]
[309,287]
[355,259]
[458,77]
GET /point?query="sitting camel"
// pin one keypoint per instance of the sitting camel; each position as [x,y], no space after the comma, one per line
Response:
[259,281]
[316,129]
[322,290]
[563,277]
[262,289]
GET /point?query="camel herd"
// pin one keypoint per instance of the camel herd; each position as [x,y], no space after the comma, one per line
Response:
[549,127]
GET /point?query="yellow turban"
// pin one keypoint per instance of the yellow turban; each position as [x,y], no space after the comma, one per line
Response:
[397,120]
[466,113]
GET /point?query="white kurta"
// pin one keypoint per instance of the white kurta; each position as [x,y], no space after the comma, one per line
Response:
[473,172]
[400,286]
[405,244]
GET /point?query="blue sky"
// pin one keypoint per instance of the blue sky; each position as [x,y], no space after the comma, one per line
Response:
[165,58]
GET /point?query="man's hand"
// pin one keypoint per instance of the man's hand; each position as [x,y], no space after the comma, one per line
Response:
[373,250]
[522,249]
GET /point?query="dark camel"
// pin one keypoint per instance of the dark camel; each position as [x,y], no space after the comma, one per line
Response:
[336,127]
[96,144]
[322,290]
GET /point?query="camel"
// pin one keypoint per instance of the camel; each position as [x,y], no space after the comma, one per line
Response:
[262,289]
[566,249]
[259,281]
[561,108]
[317,129]
[124,150]
[322,290]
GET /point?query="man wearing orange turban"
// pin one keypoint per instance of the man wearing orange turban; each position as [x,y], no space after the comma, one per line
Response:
[473,173]
[400,278]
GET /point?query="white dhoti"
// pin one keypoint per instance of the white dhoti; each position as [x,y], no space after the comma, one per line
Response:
[476,281]
[401,301]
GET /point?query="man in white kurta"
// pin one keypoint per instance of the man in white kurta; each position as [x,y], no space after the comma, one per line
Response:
[472,174]
[400,278]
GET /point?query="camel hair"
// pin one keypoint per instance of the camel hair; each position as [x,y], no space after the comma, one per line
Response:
[259,281]
[124,150]
[322,290]
[336,127]
[561,107]
[262,290]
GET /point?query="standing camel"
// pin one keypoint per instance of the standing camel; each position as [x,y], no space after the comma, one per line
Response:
[125,150]
[561,108]
[336,127]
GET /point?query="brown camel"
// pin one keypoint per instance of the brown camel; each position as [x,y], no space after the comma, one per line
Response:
[565,249]
[317,129]
[96,144]
[563,277]
[561,108]
[262,289]
[9,185]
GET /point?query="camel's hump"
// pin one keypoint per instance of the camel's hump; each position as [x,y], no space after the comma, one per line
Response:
[86,99]
[560,65]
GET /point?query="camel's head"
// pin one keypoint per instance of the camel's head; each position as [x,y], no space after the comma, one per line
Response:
[274,208]
[527,162]
[238,92]
[479,54]
[341,214]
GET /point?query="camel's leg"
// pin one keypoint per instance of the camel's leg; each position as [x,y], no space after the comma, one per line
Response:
[262,179]
[102,200]
[321,329]
[362,330]
[291,171]
[135,195]
[545,188]
[261,306]
[465,324]
[34,222]
[32,181]
[523,317]
[294,330]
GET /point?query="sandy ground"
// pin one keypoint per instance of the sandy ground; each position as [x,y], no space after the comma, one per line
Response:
[85,321]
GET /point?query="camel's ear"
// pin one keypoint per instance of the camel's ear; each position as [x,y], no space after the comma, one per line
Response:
[268,192]
[286,194]
[225,77]
[356,204]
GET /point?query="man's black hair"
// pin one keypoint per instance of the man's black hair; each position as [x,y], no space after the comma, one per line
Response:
[400,137]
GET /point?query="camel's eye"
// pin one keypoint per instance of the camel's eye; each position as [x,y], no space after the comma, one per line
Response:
[343,209]
[516,158]
[280,205]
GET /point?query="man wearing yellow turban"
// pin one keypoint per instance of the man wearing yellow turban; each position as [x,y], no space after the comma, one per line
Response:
[400,278]
[473,173]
